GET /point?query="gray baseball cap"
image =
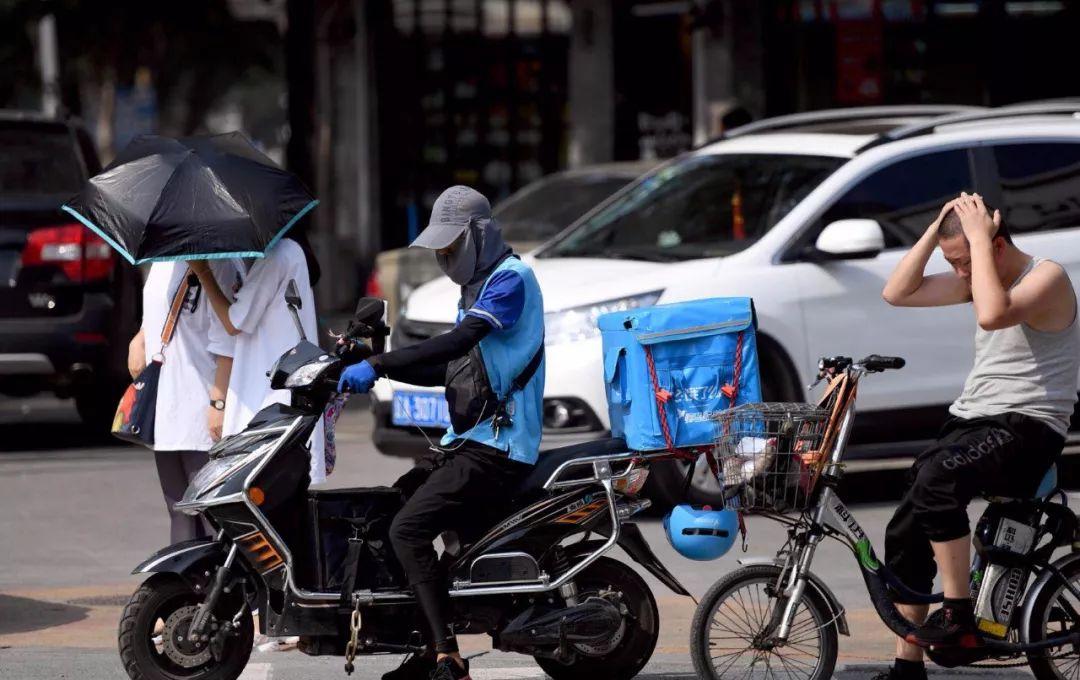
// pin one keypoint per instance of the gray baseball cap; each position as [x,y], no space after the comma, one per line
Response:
[454,210]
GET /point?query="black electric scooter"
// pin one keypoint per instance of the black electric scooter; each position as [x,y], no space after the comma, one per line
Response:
[318,564]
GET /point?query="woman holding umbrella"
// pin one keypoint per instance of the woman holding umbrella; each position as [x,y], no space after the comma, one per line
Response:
[185,426]
[215,198]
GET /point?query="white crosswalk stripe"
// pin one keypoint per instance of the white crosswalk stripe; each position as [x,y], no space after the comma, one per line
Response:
[257,671]
[505,673]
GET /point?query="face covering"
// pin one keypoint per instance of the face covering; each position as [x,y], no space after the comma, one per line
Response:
[460,265]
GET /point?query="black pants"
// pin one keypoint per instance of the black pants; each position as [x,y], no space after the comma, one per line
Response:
[175,470]
[470,487]
[1005,455]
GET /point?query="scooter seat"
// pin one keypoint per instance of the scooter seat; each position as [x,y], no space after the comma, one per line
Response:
[1049,483]
[550,460]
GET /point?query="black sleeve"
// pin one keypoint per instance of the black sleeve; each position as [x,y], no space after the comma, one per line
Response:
[423,375]
[426,359]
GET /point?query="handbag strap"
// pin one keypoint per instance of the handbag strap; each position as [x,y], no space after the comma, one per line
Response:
[174,311]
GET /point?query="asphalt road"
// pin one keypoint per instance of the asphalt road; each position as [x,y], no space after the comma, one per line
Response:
[78,512]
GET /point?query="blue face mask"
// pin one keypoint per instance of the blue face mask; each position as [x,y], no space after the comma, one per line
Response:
[460,265]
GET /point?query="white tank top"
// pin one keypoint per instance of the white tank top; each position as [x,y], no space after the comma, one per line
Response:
[1023,370]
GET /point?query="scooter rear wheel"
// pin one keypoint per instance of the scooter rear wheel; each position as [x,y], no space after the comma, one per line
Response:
[635,641]
[152,632]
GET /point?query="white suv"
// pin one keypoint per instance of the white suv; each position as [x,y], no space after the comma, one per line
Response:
[807,214]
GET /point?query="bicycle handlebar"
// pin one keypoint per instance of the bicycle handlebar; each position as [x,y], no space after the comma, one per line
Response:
[871,364]
[877,363]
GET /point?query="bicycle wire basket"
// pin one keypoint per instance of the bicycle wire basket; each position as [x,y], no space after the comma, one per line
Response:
[769,455]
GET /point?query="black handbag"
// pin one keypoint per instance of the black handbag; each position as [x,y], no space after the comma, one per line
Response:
[134,419]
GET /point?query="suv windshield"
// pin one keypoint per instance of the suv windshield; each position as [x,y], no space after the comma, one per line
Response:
[548,206]
[38,159]
[699,206]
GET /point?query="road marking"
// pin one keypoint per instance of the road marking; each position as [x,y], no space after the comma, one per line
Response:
[257,671]
[505,673]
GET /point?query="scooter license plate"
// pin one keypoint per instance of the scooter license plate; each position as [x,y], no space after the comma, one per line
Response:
[420,409]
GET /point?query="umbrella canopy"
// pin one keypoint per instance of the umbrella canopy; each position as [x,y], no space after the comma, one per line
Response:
[191,198]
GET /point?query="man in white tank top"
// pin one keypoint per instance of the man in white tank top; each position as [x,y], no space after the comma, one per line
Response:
[1007,427]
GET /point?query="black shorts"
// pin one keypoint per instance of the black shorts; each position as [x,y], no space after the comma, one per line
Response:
[1005,455]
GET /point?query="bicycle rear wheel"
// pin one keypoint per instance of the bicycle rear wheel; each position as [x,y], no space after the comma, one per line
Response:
[1056,612]
[729,635]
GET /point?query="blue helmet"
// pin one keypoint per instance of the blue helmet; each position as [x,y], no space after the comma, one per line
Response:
[701,533]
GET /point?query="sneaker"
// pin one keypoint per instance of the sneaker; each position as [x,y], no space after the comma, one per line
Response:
[413,667]
[448,669]
[955,628]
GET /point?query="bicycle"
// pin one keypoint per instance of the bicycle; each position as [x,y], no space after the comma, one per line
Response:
[775,618]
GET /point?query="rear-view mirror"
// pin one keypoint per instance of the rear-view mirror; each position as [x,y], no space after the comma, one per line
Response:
[850,239]
[292,295]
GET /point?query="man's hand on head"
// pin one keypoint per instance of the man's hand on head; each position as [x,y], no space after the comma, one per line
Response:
[978,224]
[941,215]
[199,266]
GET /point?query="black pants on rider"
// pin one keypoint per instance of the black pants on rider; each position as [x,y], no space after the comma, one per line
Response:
[466,489]
[1005,455]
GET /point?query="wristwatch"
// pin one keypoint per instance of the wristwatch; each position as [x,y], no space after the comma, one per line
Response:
[219,404]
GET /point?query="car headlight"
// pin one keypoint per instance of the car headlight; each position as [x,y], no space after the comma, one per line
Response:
[579,323]
[305,375]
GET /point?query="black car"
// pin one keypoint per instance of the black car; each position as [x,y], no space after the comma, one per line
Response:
[68,307]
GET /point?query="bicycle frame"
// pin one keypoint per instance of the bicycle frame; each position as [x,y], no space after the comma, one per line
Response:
[829,517]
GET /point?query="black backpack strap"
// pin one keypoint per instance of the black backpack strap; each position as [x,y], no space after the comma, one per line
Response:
[528,372]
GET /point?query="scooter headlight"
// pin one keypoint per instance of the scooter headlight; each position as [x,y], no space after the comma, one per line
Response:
[305,375]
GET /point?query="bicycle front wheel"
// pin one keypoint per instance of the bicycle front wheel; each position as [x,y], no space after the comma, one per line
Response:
[730,636]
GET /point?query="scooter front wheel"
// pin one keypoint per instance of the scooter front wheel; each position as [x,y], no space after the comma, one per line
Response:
[154,644]
[730,636]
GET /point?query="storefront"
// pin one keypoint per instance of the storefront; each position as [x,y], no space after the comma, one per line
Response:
[827,53]
[469,92]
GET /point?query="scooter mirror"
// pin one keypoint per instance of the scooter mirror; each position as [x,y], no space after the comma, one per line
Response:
[292,295]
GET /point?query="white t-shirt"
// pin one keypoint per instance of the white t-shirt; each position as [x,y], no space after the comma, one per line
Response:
[266,332]
[188,370]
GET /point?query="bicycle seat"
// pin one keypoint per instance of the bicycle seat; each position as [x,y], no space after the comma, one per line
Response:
[1047,486]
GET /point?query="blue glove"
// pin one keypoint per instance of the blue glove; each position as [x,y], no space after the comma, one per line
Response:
[357,378]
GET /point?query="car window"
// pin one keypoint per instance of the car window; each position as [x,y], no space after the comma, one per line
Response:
[699,206]
[906,196]
[38,161]
[546,207]
[1040,185]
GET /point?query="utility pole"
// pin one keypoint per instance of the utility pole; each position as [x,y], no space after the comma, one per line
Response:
[49,65]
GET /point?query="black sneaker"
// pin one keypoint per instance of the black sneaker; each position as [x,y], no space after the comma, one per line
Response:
[448,669]
[414,667]
[955,628]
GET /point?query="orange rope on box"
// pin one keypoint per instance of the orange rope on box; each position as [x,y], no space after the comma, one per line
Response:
[662,397]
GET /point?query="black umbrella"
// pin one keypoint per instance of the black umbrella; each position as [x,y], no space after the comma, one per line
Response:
[191,198]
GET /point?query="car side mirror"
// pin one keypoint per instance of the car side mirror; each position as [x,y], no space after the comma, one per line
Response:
[850,239]
[292,295]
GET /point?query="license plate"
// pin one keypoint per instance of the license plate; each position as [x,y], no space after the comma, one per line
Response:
[421,409]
